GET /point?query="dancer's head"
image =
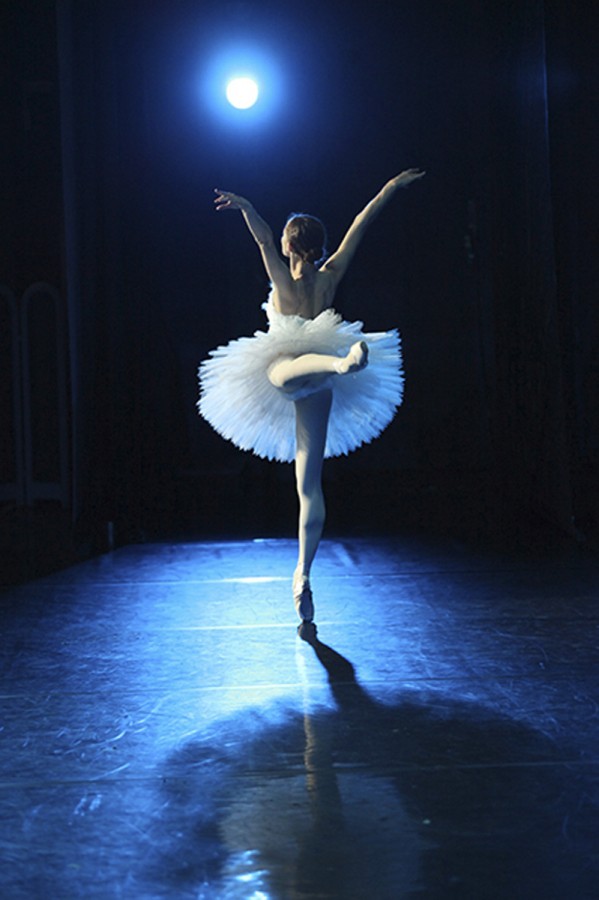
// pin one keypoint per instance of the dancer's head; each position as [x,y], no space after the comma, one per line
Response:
[304,235]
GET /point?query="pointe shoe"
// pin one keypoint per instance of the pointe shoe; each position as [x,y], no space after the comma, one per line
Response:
[307,632]
[302,597]
[356,359]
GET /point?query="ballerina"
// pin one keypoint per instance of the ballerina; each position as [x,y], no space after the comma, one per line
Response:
[313,386]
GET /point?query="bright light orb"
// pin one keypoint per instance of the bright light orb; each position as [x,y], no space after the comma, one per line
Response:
[242,92]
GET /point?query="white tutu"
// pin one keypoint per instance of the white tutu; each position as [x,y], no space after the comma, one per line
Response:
[240,402]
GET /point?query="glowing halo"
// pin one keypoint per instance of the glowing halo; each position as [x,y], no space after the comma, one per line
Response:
[242,86]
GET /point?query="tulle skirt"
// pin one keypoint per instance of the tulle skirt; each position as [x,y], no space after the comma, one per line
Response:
[239,401]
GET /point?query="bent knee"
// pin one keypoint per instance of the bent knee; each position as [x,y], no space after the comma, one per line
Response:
[278,373]
[276,379]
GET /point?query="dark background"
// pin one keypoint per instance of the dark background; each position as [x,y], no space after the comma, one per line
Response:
[489,266]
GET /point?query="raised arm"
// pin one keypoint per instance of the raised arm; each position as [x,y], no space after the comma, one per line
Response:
[276,269]
[338,262]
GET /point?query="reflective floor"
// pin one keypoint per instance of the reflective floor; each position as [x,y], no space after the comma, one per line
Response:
[167,733]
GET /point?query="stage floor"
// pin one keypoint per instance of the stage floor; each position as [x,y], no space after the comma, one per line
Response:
[167,733]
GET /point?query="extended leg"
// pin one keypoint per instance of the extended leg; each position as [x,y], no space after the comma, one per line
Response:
[291,374]
[311,416]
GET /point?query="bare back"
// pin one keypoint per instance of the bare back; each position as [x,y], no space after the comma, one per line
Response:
[306,296]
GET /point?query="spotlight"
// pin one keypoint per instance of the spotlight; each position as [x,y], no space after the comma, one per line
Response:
[243,86]
[242,92]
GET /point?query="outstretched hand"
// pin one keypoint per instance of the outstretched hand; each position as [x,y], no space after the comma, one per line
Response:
[227,200]
[407,177]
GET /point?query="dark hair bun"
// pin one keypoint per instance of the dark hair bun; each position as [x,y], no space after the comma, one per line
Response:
[307,235]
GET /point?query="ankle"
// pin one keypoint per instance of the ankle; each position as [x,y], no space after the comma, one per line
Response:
[355,360]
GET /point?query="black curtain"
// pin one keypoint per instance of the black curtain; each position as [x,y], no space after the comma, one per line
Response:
[531,323]
[532,458]
[128,438]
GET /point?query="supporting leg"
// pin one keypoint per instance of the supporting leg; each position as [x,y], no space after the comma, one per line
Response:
[312,416]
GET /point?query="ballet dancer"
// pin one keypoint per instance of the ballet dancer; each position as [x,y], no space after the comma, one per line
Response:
[313,385]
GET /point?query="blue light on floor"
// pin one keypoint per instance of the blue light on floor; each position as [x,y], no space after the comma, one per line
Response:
[166,727]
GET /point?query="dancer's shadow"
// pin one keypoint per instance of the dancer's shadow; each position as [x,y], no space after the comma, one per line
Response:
[428,797]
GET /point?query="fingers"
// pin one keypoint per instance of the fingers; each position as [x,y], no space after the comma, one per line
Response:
[224,200]
[408,176]
[227,200]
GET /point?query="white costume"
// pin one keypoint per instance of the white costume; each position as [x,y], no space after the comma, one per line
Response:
[239,401]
